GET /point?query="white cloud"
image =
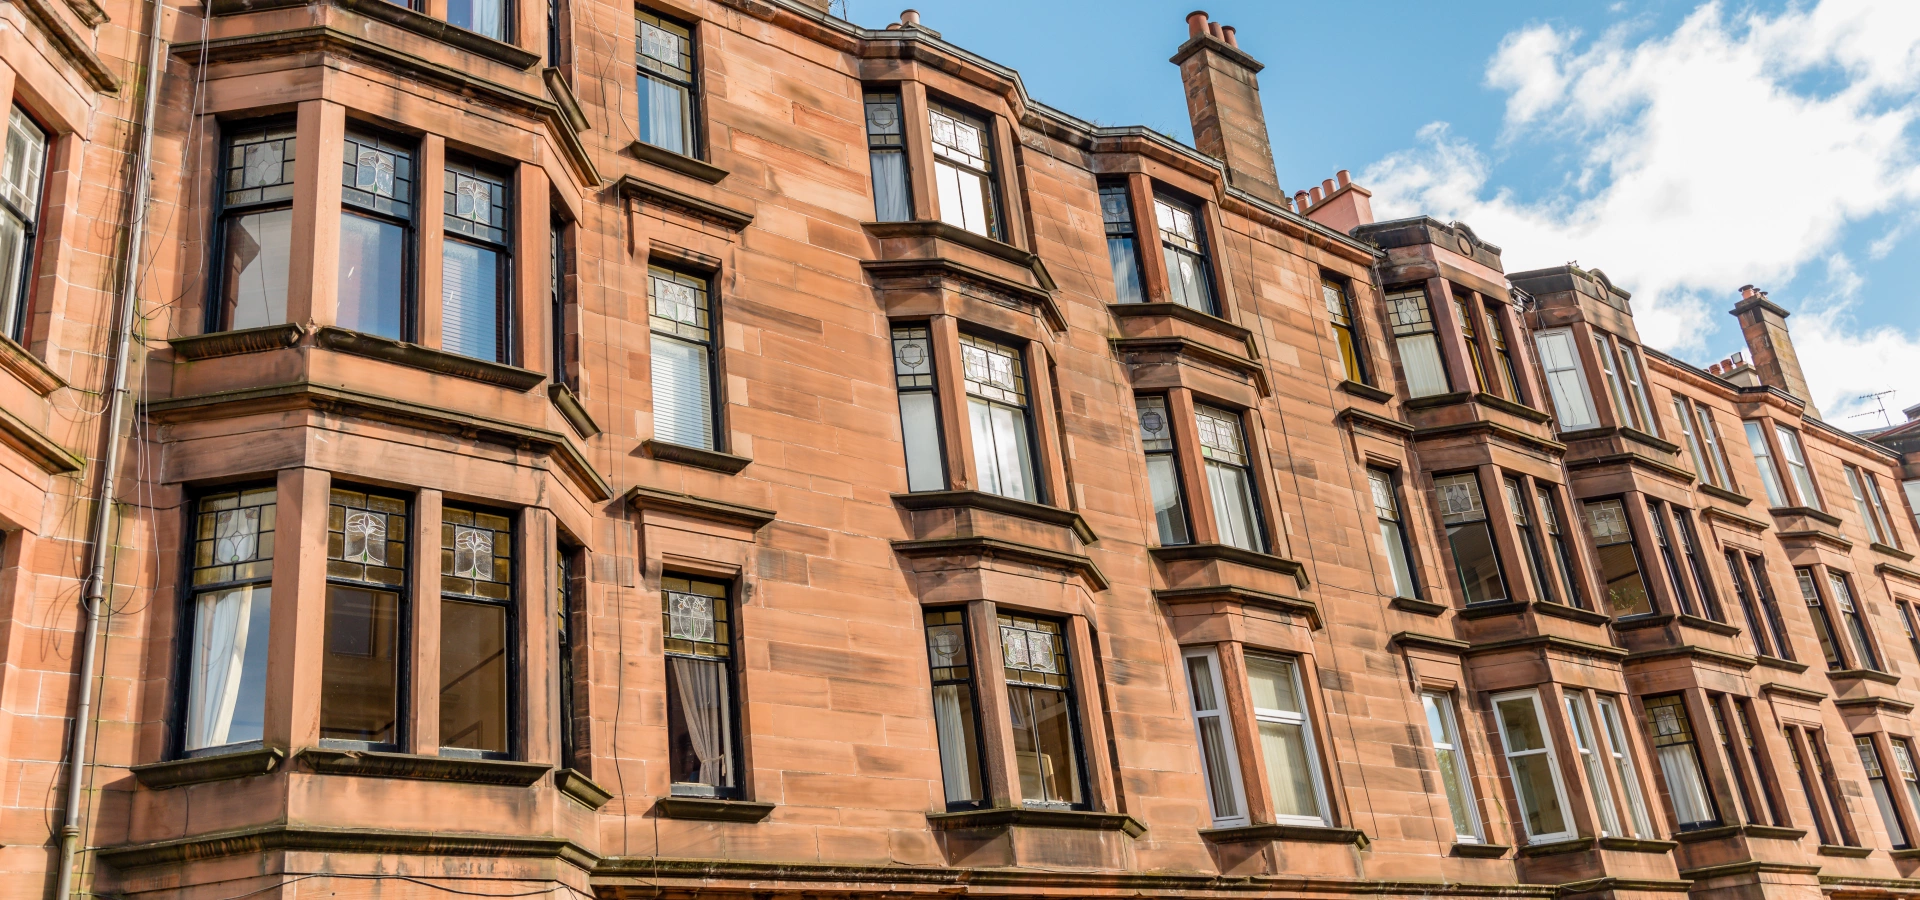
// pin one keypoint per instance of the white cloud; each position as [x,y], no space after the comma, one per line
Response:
[1735,149]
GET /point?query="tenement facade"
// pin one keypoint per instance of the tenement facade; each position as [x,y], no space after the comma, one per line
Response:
[705,448]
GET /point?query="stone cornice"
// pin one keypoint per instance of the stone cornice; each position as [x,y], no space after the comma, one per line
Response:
[267,838]
[1178,345]
[1241,596]
[998,547]
[71,45]
[416,356]
[750,517]
[1232,554]
[30,442]
[1024,509]
[28,368]
[654,192]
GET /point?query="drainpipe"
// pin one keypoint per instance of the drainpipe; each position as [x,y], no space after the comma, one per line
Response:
[95,598]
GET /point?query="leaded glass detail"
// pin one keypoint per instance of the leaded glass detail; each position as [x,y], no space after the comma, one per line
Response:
[993,371]
[1459,497]
[1408,313]
[883,119]
[366,537]
[476,554]
[912,357]
[1033,652]
[959,137]
[1607,522]
[696,617]
[378,174]
[947,645]
[233,537]
[678,304]
[260,166]
[1220,436]
[1116,210]
[476,204]
[1176,223]
[1156,427]
[663,46]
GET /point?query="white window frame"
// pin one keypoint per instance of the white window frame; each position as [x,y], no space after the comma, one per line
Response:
[1439,705]
[1710,438]
[1636,384]
[1868,520]
[1585,743]
[1613,736]
[1212,656]
[1569,417]
[1604,351]
[1694,451]
[1304,719]
[1799,467]
[1553,764]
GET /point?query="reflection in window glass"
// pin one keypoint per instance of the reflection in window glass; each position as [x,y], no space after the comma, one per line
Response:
[1796,460]
[475,299]
[1184,248]
[22,172]
[1444,731]
[1882,792]
[1619,564]
[1560,364]
[1474,558]
[1393,534]
[1763,458]
[232,615]
[1123,246]
[483,17]
[367,536]
[1674,747]
[913,376]
[1340,313]
[476,577]
[1040,702]
[376,226]
[963,171]
[1531,764]
[1163,470]
[256,231]
[663,54]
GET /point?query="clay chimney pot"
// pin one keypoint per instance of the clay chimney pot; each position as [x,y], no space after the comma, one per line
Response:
[1329,186]
[1226,33]
[910,17]
[1342,177]
[1300,199]
[1746,291]
[1316,194]
[1196,23]
[1213,28]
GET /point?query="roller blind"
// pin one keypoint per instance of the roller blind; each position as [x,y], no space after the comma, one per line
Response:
[682,393]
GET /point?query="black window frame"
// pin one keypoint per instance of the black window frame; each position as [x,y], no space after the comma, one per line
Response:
[560,299]
[404,638]
[731,667]
[716,388]
[1359,373]
[215,317]
[515,724]
[972,682]
[1073,700]
[16,330]
[180,698]
[1202,252]
[570,617]
[696,147]
[409,224]
[1122,222]
[458,229]
[879,143]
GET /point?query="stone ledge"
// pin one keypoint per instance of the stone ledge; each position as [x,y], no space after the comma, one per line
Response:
[415,356]
[1643,620]
[1784,665]
[1641,437]
[928,228]
[1637,845]
[711,510]
[1862,675]
[1748,867]
[1708,625]
[29,441]
[1312,834]
[1724,494]
[563,96]
[1575,845]
[1909,853]
[577,785]
[1698,654]
[234,343]
[440,30]
[1024,509]
[1430,642]
[1617,886]
[1252,370]
[1480,851]
[1417,607]
[645,190]
[712,810]
[344,840]
[378,764]
[1818,515]
[203,769]
[724,463]
[1547,642]
[1732,518]
[1896,571]
[1355,416]
[1844,852]
[72,46]
[1894,552]
[1876,704]
[1432,401]
[1474,611]
[1243,596]
[1797,693]
[570,409]
[1365,391]
[1513,408]
[1014,550]
[1023,817]
[28,368]
[1184,313]
[1571,613]
[1228,553]
[678,162]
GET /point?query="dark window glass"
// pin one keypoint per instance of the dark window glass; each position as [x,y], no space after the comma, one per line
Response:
[256,228]
[1763,593]
[230,616]
[22,173]
[483,17]
[887,155]
[367,537]
[1670,556]
[1689,548]
[1736,759]
[1823,770]
[476,587]
[1619,562]
[553,33]
[1822,621]
[1340,313]
[1559,540]
[1502,355]
[476,296]
[1393,531]
[702,755]
[1163,471]
[1530,552]
[955,722]
[1463,313]
[1807,785]
[1862,639]
[1474,557]
[575,730]
[557,301]
[1675,750]
[1882,791]
[376,232]
[1123,245]
[663,53]
[914,377]
[1762,778]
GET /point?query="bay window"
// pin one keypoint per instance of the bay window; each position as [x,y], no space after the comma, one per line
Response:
[1340,313]
[1701,466]
[1558,542]
[1393,532]
[1566,383]
[1882,792]
[1822,763]
[1763,780]
[367,541]
[1530,555]
[1867,503]
[1040,702]
[1861,639]
[963,171]
[1286,740]
[1689,549]
[682,325]
[1808,784]
[476,293]
[1214,730]
[376,236]
[955,722]
[1123,245]
[1823,626]
[703,758]
[1769,631]
[996,386]
[1531,765]
[1475,560]
[887,157]
[1796,459]
[1163,471]
[255,233]
[476,630]
[1413,337]
[1763,459]
[1586,745]
[1229,471]
[1476,367]
[1443,730]
[1613,729]
[1670,557]
[1184,246]
[229,617]
[22,176]
[914,378]
[1736,762]
[663,56]
[483,17]
[1618,560]
[1503,357]
[1675,749]
[1903,760]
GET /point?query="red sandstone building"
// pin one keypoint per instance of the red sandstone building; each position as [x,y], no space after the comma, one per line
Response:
[710,448]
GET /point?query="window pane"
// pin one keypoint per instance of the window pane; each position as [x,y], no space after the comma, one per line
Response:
[1043,745]
[359,674]
[1168,512]
[920,430]
[470,301]
[22,172]
[254,286]
[664,119]
[473,676]
[1476,562]
[1797,465]
[699,726]
[1233,510]
[1561,366]
[953,719]
[1289,770]
[1215,744]
[1673,746]
[682,393]
[1420,357]
[1273,685]
[1617,748]
[1596,770]
[1763,458]
[226,695]
[1619,565]
[1539,800]
[487,17]
[1453,771]
[890,198]
[372,267]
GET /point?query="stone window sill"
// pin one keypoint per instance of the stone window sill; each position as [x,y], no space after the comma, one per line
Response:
[1240,598]
[378,764]
[202,769]
[1417,607]
[571,409]
[1649,620]
[1079,819]
[1572,613]
[1575,845]
[1817,515]
[660,194]
[1431,401]
[577,785]
[28,368]
[1365,391]
[712,810]
[1909,853]
[1894,552]
[1481,851]
[685,165]
[724,463]
[1311,834]
[1430,642]
[1000,547]
[415,356]
[1785,665]
[1228,553]
[453,35]
[234,343]
[1633,845]
[700,507]
[1513,408]
[1759,831]
[1038,512]
[1638,436]
[1845,852]
[1185,313]
[1724,494]
[1862,675]
[1887,704]
[1709,625]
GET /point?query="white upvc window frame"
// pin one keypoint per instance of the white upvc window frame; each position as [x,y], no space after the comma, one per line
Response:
[1230,749]
[1580,722]
[1553,764]
[1304,719]
[1439,706]
[1613,736]
[1575,413]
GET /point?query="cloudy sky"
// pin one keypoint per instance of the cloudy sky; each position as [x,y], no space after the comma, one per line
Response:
[1686,148]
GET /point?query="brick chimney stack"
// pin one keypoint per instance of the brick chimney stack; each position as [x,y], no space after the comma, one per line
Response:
[1223,100]
[1764,325]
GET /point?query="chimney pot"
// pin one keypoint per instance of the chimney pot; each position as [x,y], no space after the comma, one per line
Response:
[1328,185]
[910,17]
[1300,199]
[1213,28]
[1316,194]
[1196,23]
[1739,358]
[1342,177]
[1226,33]
[1746,290]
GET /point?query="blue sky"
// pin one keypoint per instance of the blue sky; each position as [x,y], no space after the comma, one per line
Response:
[1686,148]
